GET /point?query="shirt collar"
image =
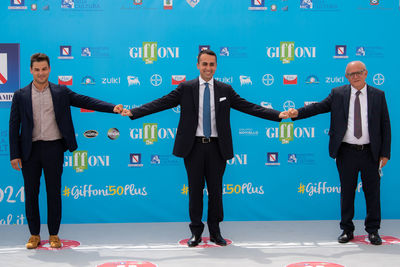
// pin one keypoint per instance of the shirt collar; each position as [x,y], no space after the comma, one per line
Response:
[210,82]
[37,90]
[363,90]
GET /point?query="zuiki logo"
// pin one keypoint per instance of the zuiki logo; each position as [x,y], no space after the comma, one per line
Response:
[80,160]
[150,52]
[287,52]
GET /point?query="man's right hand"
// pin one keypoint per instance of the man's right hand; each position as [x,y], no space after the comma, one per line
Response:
[293,113]
[126,112]
[16,164]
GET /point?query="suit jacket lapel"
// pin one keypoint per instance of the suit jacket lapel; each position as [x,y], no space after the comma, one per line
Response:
[370,97]
[196,89]
[216,97]
[346,101]
[28,102]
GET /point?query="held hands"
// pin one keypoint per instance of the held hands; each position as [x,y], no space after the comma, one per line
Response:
[126,112]
[16,164]
[291,113]
[118,108]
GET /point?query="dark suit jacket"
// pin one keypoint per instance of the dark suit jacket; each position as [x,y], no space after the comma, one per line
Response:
[187,96]
[338,104]
[21,118]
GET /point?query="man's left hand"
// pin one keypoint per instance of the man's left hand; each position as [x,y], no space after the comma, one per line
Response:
[382,162]
[118,108]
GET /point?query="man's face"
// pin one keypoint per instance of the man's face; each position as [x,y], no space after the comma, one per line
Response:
[207,66]
[356,74]
[40,72]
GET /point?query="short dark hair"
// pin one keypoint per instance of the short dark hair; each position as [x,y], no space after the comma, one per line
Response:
[208,52]
[38,57]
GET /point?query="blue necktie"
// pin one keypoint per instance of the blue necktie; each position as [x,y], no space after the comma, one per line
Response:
[206,112]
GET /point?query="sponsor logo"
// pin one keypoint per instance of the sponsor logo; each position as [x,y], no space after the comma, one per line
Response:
[34,7]
[3,68]
[238,159]
[360,51]
[91,133]
[268,79]
[306,4]
[286,132]
[203,47]
[192,3]
[374,2]
[9,73]
[266,104]
[369,51]
[150,133]
[312,79]
[285,8]
[65,80]
[95,52]
[150,52]
[272,159]
[334,79]
[80,160]
[248,132]
[288,104]
[228,80]
[65,52]
[290,79]
[156,80]
[88,80]
[245,80]
[257,5]
[340,51]
[169,160]
[46,8]
[287,52]
[177,79]
[306,103]
[231,51]
[67,4]
[167,4]
[17,4]
[301,159]
[274,7]
[133,80]
[135,160]
[378,79]
[137,2]
[113,133]
[112,80]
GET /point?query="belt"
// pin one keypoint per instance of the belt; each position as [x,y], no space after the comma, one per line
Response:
[356,147]
[205,140]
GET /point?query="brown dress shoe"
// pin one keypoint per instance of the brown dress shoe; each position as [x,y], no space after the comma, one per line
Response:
[33,242]
[55,241]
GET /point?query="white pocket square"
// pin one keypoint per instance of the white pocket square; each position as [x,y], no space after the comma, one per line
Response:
[222,99]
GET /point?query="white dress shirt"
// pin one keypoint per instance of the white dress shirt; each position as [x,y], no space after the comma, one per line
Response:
[349,136]
[202,86]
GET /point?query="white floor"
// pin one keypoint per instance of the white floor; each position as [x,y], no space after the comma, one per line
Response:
[254,244]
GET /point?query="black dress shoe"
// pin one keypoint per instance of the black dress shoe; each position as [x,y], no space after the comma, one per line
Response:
[345,237]
[194,241]
[374,238]
[218,239]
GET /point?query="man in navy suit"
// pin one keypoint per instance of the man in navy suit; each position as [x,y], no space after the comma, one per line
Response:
[41,129]
[360,140]
[204,138]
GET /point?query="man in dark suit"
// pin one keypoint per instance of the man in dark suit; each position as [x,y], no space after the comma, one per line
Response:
[41,129]
[360,140]
[204,138]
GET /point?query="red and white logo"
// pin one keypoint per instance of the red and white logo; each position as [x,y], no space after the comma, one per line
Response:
[65,80]
[3,68]
[167,4]
[65,244]
[205,244]
[290,79]
[128,264]
[177,79]
[314,264]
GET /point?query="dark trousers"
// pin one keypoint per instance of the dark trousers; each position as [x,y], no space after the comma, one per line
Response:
[49,157]
[205,164]
[350,162]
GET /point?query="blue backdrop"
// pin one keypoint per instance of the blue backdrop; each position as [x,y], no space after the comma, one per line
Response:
[276,53]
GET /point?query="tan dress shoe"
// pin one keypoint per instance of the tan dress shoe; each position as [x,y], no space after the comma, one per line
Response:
[55,241]
[33,242]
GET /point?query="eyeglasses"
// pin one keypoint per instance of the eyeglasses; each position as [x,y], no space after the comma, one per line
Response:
[354,74]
